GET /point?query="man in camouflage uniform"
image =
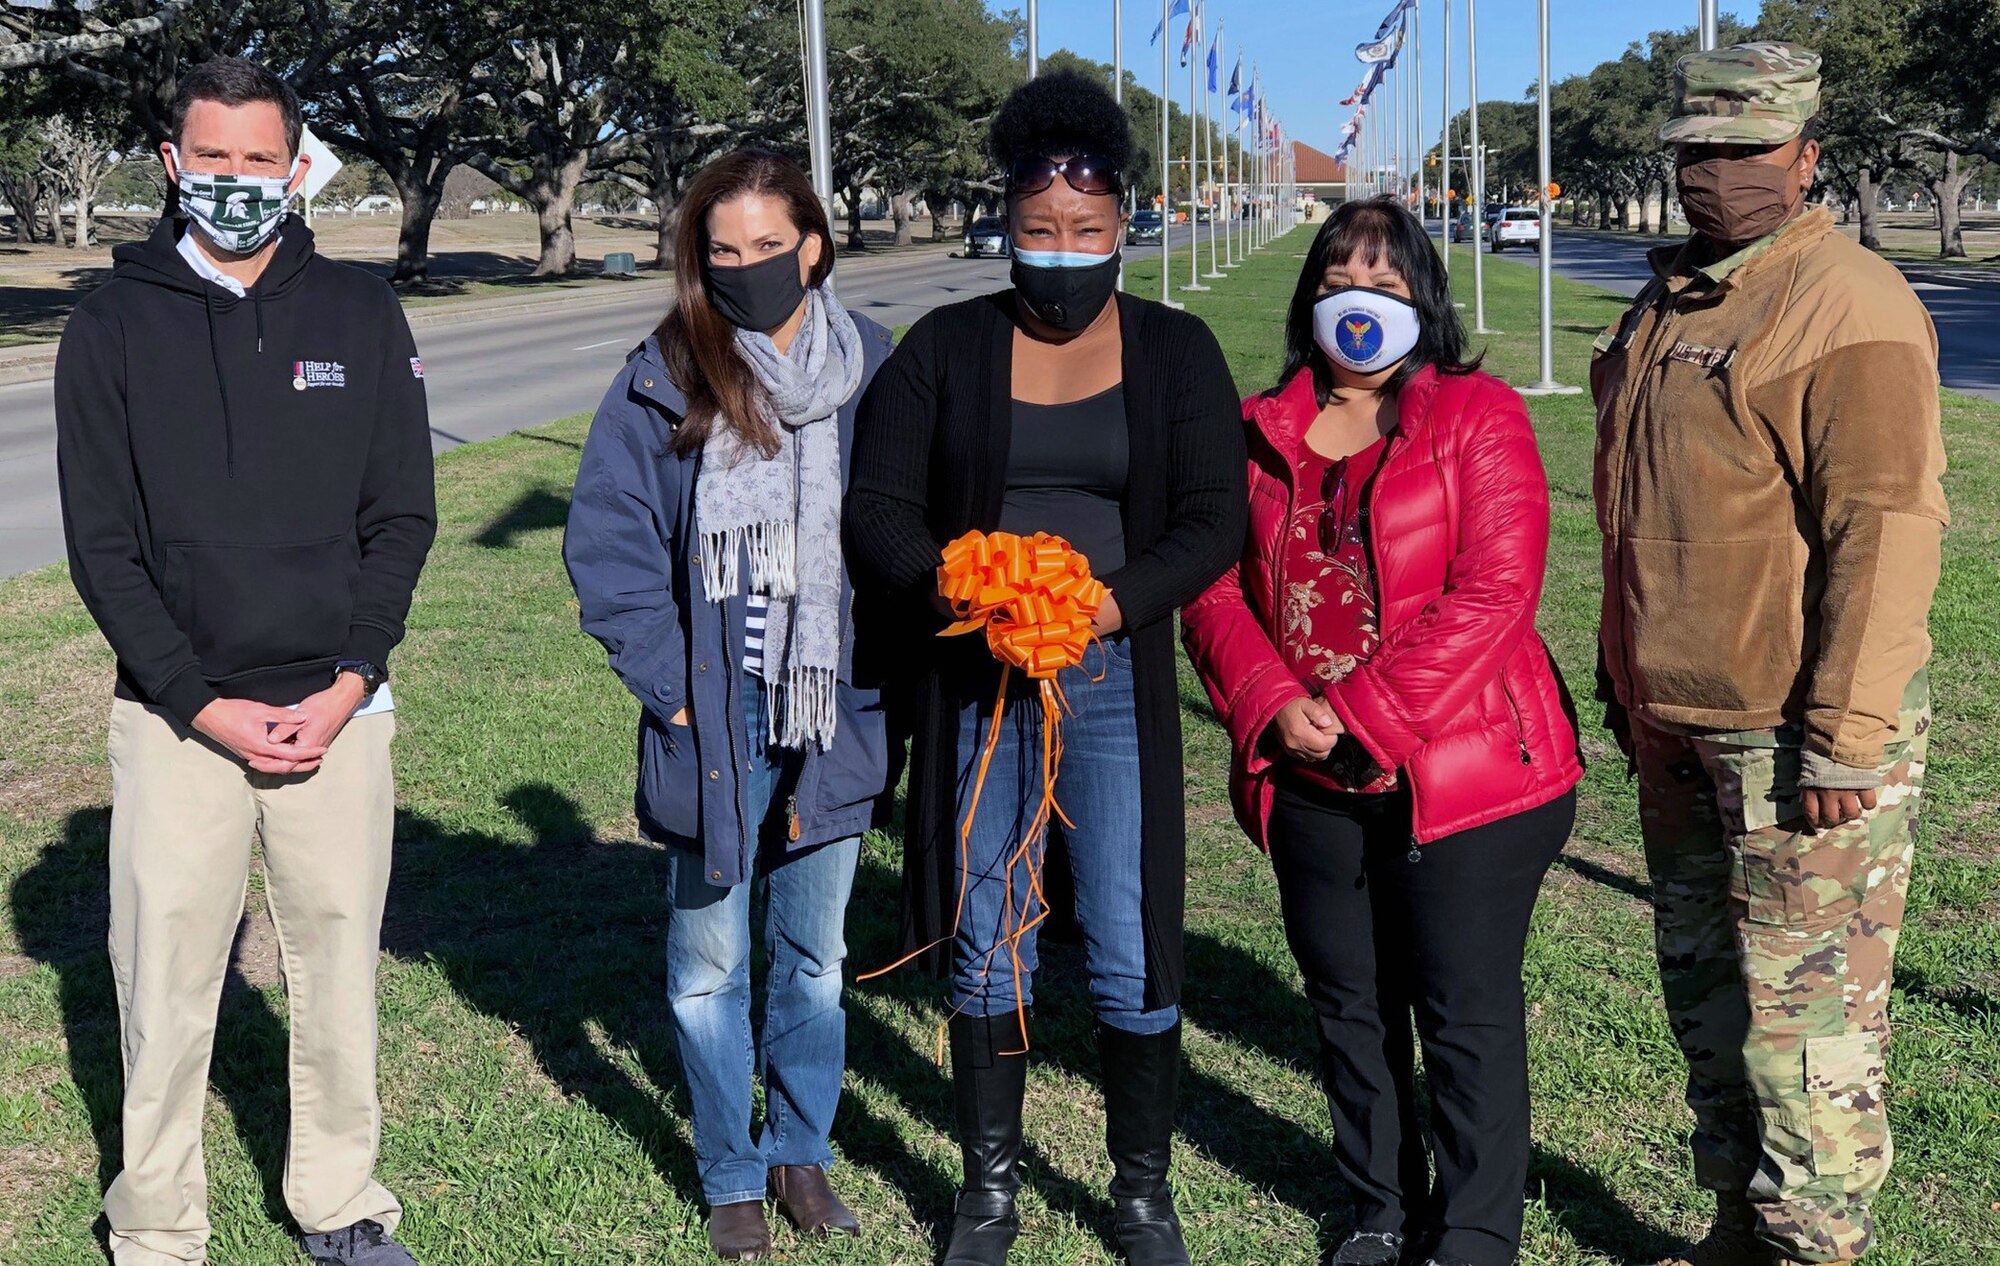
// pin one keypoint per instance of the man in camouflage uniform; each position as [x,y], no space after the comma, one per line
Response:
[1767,484]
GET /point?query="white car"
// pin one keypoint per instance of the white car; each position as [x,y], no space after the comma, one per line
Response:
[1517,226]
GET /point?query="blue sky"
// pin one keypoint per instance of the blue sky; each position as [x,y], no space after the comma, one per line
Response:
[1305,48]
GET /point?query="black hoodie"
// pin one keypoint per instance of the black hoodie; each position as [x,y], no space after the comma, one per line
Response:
[246,483]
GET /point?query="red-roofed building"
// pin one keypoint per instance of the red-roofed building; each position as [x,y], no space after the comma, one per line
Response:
[1319,174]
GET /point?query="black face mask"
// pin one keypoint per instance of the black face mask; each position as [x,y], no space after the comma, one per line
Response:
[760,296]
[1066,297]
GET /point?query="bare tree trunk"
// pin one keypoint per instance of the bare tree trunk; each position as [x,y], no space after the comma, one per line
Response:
[54,213]
[1951,237]
[1865,195]
[413,237]
[663,242]
[85,232]
[855,240]
[899,212]
[554,198]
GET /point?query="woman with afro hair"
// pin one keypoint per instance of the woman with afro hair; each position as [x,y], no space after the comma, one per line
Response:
[1059,405]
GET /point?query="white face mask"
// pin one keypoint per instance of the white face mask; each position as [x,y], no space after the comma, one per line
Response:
[1364,329]
[237,213]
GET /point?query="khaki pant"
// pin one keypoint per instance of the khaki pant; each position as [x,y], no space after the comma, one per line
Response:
[184,814]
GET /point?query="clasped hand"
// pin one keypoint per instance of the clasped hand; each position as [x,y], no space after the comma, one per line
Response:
[1307,728]
[273,740]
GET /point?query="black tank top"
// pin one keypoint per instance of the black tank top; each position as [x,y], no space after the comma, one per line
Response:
[1066,474]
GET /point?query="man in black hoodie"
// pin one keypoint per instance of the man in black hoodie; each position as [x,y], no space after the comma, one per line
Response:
[245,463]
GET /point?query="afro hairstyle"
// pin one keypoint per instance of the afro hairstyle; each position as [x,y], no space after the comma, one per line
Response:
[1061,114]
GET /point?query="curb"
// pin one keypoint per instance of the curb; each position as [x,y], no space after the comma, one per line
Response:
[1946,277]
[34,362]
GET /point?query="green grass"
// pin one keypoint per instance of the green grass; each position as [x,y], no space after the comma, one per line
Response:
[533,1107]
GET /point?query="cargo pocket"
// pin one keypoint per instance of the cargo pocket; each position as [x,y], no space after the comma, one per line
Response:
[1850,1122]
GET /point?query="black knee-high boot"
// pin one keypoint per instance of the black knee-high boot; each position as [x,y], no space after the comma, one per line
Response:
[988,1087]
[1141,1080]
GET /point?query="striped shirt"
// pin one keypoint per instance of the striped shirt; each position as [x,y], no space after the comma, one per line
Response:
[756,607]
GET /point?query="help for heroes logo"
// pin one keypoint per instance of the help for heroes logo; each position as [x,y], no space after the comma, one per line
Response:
[318,373]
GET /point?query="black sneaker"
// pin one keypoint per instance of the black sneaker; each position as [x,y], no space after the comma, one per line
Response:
[363,1244]
[1368,1248]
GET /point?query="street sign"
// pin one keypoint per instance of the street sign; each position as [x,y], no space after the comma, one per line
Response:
[325,163]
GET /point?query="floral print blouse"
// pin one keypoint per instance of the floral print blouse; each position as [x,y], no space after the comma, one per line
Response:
[1328,622]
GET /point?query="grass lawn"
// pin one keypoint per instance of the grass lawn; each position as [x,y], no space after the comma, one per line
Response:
[532,1099]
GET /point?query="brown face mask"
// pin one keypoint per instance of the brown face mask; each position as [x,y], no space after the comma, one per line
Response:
[1737,200]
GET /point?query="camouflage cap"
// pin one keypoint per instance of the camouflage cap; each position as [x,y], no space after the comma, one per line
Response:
[1746,94]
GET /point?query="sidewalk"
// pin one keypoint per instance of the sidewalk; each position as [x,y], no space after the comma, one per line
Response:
[31,362]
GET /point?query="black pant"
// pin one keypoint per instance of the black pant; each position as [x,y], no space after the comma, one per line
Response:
[1382,928]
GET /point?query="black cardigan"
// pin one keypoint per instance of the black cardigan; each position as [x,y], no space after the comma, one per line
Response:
[930,463]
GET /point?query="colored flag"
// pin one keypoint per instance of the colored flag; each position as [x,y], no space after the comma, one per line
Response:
[1180,7]
[1395,18]
[1192,39]
[1235,76]
[1380,50]
[1214,57]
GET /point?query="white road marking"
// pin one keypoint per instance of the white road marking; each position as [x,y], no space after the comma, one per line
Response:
[606,343]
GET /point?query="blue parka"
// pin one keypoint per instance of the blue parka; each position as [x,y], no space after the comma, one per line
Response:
[630,550]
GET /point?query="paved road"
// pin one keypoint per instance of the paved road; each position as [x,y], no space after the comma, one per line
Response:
[495,375]
[1967,317]
[484,377]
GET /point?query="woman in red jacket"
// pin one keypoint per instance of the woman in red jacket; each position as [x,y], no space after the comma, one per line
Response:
[1403,745]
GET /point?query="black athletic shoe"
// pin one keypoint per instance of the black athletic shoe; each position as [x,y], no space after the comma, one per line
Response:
[1368,1248]
[363,1244]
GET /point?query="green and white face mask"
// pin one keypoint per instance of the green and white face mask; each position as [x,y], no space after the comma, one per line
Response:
[237,213]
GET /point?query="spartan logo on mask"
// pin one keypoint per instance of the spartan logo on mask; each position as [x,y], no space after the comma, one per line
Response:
[237,213]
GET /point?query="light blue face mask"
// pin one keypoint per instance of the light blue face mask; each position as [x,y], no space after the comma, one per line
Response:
[1059,259]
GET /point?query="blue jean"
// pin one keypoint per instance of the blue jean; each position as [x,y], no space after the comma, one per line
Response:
[1097,786]
[802,1051]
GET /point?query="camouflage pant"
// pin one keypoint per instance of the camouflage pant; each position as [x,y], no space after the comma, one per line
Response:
[1775,945]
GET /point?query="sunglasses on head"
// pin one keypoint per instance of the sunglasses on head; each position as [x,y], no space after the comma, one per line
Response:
[1086,173]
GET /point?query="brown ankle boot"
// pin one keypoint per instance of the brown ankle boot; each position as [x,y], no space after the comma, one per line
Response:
[738,1233]
[1727,1246]
[804,1196]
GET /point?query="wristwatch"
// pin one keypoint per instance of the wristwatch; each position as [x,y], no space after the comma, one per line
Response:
[371,675]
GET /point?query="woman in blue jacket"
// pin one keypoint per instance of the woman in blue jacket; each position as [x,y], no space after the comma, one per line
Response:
[704,543]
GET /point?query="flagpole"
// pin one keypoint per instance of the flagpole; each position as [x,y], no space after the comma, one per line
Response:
[1547,386]
[1209,84]
[1444,143]
[1228,190]
[1166,182]
[1118,87]
[1478,181]
[819,138]
[1194,151]
[1034,39]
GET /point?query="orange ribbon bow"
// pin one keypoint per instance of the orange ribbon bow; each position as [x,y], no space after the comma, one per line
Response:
[1035,599]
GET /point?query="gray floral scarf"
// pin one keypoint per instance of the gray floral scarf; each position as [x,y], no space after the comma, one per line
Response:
[782,514]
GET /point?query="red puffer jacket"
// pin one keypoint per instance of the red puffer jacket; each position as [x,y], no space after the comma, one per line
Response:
[1461,697]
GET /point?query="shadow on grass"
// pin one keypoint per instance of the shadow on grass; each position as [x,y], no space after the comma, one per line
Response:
[471,903]
[1237,993]
[61,913]
[534,511]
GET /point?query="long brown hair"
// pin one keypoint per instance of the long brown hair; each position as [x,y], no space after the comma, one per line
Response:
[698,343]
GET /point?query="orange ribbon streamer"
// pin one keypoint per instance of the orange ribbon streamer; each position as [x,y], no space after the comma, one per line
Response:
[1034,598]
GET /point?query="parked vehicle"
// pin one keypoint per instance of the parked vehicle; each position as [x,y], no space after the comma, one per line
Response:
[1516,226]
[986,236]
[1144,226]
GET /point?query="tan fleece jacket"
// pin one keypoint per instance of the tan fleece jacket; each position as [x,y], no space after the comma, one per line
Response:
[1767,482]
